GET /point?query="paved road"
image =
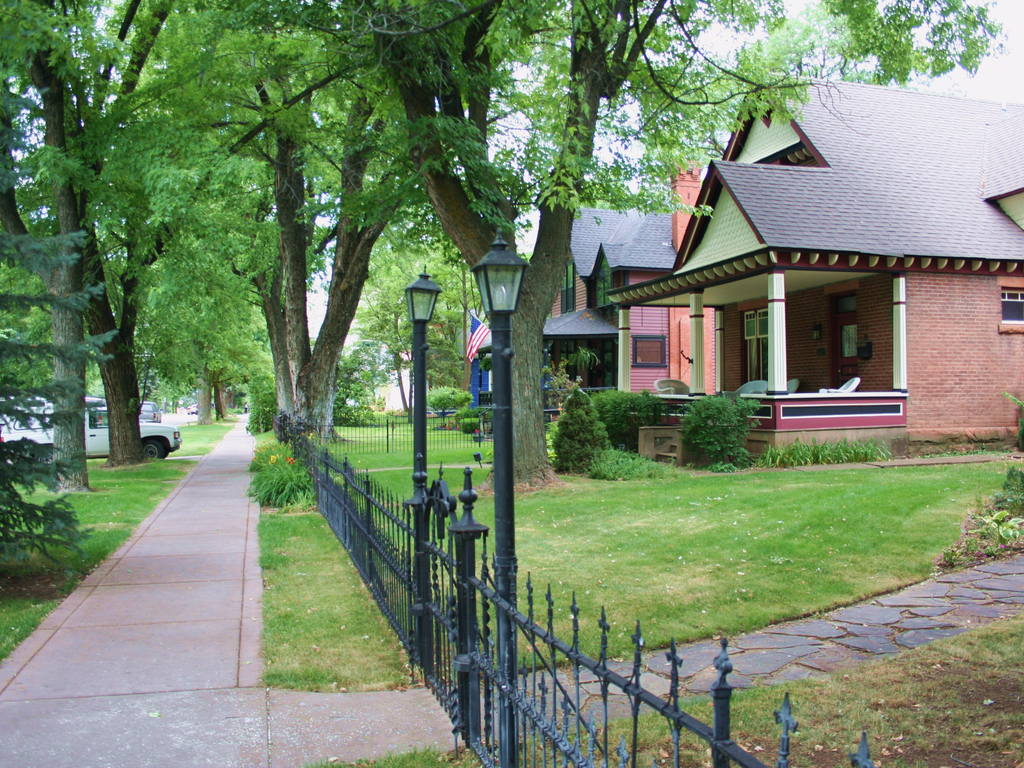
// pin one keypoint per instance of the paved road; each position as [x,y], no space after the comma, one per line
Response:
[155,659]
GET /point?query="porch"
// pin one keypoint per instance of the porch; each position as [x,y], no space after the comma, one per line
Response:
[795,337]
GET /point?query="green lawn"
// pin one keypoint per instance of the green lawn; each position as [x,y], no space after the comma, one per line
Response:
[199,440]
[321,628]
[120,500]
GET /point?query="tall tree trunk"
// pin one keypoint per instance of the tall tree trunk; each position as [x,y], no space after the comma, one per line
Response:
[273,313]
[203,383]
[65,281]
[117,366]
[219,400]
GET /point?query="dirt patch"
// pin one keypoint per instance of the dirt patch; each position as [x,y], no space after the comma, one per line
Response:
[37,587]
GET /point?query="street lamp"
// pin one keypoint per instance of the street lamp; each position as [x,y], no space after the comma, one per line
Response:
[499,276]
[420,297]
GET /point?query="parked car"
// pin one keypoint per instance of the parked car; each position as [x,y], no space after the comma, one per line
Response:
[192,410]
[157,440]
[150,411]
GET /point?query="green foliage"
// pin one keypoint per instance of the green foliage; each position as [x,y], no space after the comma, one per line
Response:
[579,434]
[1012,496]
[28,526]
[559,385]
[279,480]
[718,427]
[844,451]
[469,426]
[468,413]
[361,370]
[623,413]
[613,464]
[262,404]
[1002,526]
[446,400]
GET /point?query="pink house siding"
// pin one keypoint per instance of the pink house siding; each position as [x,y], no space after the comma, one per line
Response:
[647,321]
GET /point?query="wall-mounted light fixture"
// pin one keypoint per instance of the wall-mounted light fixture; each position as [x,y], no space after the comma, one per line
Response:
[816,332]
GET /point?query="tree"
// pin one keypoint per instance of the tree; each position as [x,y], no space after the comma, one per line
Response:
[529,105]
[30,526]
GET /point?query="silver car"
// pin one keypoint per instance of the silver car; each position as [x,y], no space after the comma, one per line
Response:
[150,412]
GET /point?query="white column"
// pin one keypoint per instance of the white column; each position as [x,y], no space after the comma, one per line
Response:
[719,350]
[899,333]
[625,349]
[777,333]
[697,342]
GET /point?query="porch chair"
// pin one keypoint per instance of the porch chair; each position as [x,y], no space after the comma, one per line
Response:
[671,387]
[848,386]
[791,386]
[755,387]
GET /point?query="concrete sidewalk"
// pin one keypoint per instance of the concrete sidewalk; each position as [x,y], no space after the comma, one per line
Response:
[155,659]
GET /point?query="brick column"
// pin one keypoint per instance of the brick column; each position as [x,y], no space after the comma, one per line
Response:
[625,349]
[899,333]
[697,342]
[719,350]
[777,333]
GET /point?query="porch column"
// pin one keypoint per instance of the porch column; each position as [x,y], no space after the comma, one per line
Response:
[719,350]
[777,333]
[625,349]
[899,333]
[697,342]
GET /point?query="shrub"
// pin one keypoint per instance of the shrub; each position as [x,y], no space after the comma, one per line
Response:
[579,434]
[1012,496]
[468,413]
[469,426]
[623,413]
[262,404]
[279,480]
[718,427]
[445,400]
[799,454]
[613,464]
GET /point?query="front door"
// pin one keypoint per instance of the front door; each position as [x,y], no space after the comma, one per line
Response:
[844,339]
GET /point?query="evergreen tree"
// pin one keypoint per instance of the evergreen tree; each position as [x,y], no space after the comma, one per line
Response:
[27,526]
[579,434]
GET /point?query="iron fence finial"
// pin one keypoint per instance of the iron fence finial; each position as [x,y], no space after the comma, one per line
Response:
[784,717]
[862,757]
[723,664]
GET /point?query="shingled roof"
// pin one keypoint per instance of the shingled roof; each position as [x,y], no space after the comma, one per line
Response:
[584,323]
[629,240]
[907,174]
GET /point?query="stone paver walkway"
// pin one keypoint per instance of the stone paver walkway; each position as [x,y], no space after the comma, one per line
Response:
[919,614]
[155,659]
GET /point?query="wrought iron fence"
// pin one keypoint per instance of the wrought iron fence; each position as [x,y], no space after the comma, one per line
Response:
[419,560]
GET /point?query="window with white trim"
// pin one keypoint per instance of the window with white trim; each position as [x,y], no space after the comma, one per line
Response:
[755,336]
[1013,307]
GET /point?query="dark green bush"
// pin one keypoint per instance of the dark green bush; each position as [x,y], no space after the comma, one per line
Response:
[718,427]
[468,413]
[262,404]
[613,464]
[623,413]
[1012,496]
[469,426]
[579,434]
[279,479]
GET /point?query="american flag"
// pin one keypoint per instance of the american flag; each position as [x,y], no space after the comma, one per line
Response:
[479,336]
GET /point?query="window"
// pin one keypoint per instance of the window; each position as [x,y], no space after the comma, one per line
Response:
[602,283]
[649,351]
[98,420]
[1013,307]
[755,336]
[569,288]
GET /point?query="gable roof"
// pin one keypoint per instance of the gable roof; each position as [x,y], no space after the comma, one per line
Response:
[628,240]
[583,323]
[903,177]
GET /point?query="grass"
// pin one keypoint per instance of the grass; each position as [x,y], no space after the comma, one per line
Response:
[199,440]
[959,697]
[321,628]
[121,499]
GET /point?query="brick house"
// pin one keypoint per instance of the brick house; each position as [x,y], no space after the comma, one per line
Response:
[613,249]
[876,236]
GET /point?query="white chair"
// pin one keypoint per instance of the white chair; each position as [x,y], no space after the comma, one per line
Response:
[848,386]
[791,386]
[755,387]
[671,387]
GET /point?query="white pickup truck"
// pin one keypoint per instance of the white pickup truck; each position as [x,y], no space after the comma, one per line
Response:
[157,439]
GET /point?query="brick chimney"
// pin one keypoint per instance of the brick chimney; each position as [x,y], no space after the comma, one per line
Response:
[686,185]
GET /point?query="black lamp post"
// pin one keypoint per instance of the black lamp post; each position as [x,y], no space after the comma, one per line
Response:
[421,296]
[499,276]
